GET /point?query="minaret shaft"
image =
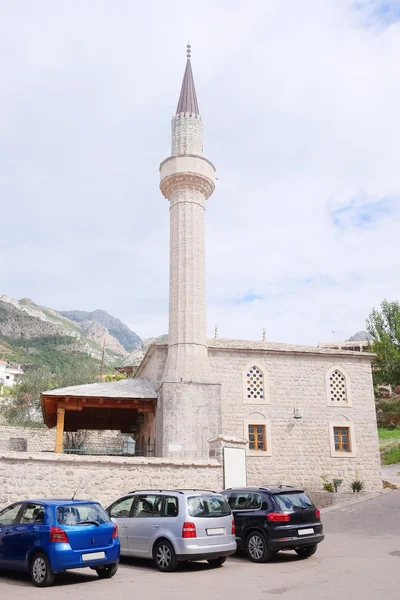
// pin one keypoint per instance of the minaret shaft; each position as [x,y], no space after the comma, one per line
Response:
[187,340]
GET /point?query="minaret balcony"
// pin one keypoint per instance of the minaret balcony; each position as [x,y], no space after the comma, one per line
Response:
[187,171]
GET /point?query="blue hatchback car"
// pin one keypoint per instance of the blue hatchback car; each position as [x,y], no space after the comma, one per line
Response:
[45,537]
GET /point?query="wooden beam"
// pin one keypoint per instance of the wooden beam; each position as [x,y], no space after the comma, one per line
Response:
[60,429]
[122,404]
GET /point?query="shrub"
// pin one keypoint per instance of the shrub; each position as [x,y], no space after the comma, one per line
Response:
[388,412]
[327,486]
[357,485]
[392,456]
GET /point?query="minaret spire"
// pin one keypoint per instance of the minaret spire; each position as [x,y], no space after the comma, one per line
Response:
[188,99]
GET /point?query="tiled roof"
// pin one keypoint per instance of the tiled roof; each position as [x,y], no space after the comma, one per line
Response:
[125,388]
[220,343]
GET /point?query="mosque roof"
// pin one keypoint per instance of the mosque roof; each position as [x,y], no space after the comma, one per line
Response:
[361,336]
[232,344]
[188,99]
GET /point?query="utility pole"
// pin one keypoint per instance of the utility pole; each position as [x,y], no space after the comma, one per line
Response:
[102,359]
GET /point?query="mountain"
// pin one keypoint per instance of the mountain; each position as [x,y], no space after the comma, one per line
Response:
[33,334]
[135,358]
[127,338]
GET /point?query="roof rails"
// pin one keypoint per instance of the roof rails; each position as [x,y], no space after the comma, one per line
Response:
[176,490]
[255,487]
[150,490]
[195,490]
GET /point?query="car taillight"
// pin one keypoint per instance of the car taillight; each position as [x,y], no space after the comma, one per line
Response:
[233,527]
[317,513]
[189,530]
[115,532]
[276,517]
[58,535]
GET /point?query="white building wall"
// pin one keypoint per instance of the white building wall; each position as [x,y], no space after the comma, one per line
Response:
[300,450]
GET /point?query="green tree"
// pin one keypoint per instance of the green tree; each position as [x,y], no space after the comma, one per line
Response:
[37,379]
[384,326]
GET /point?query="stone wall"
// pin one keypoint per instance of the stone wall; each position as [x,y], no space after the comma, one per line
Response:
[42,439]
[300,451]
[35,439]
[104,479]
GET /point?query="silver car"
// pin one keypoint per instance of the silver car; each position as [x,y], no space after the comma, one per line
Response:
[170,526]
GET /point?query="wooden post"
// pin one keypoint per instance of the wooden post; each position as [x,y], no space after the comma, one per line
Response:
[60,429]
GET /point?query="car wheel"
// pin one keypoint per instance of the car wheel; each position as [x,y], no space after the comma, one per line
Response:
[107,571]
[41,573]
[256,547]
[217,562]
[164,556]
[307,551]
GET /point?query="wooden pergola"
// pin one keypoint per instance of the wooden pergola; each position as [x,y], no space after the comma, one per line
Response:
[97,406]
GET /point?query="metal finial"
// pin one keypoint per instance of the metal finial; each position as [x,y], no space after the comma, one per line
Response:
[188,51]
[216,331]
[264,334]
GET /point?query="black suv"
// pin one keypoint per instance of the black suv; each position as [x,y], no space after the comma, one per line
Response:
[273,518]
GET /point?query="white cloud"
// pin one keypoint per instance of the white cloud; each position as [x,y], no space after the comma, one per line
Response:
[300,105]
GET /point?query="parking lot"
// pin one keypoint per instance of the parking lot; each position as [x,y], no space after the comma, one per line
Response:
[360,558]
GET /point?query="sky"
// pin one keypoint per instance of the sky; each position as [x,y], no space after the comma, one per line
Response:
[300,103]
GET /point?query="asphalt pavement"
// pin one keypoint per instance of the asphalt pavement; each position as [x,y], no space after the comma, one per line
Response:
[359,560]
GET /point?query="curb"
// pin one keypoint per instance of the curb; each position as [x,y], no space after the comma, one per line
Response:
[369,496]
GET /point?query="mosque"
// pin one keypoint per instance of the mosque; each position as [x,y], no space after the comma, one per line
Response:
[296,412]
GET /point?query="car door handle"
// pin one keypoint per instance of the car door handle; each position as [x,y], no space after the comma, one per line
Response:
[155,526]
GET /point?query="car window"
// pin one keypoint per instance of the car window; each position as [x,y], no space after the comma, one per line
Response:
[79,514]
[208,506]
[32,513]
[122,508]
[148,505]
[171,506]
[245,501]
[9,514]
[293,501]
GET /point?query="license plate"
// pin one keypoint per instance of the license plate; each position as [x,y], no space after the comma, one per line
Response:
[305,531]
[216,531]
[93,556]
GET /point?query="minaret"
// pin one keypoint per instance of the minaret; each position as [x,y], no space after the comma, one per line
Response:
[187,181]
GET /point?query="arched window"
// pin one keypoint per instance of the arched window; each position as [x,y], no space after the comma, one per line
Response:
[255,384]
[337,387]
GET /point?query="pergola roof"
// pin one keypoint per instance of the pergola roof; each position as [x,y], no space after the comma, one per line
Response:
[125,388]
[100,406]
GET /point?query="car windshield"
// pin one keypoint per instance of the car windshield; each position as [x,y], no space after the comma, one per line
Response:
[208,506]
[293,501]
[81,514]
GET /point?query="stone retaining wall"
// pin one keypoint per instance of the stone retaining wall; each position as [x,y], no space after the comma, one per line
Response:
[104,479]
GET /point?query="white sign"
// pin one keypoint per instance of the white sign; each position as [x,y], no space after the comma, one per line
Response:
[235,472]
[174,447]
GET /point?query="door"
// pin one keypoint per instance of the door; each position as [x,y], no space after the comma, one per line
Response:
[120,513]
[25,532]
[8,518]
[245,507]
[145,523]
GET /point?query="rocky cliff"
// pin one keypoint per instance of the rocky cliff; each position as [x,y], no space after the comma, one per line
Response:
[26,328]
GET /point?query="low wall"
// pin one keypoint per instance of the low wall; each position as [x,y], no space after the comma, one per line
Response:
[24,475]
[326,499]
[41,439]
[34,439]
